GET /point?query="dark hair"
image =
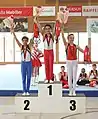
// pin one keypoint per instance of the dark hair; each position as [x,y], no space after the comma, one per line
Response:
[94,65]
[69,35]
[62,66]
[48,26]
[25,37]
[83,69]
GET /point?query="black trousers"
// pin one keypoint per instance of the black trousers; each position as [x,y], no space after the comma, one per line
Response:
[83,82]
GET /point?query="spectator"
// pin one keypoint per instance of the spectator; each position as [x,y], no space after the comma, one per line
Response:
[93,76]
[63,77]
[83,78]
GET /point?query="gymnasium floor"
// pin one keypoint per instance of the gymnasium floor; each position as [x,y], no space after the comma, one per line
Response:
[91,113]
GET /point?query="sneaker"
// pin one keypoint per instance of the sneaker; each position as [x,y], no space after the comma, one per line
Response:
[27,94]
[51,81]
[36,80]
[24,94]
[70,93]
[33,84]
[74,93]
[46,81]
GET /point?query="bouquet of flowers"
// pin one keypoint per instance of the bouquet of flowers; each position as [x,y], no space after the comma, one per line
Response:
[8,21]
[62,15]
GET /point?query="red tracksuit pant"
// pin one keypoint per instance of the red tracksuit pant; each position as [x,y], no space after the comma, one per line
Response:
[49,60]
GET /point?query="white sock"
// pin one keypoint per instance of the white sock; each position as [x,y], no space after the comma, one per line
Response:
[33,81]
[36,80]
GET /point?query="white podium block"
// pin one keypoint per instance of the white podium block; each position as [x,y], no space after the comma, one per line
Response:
[24,104]
[76,104]
[53,104]
[7,105]
[50,89]
[63,104]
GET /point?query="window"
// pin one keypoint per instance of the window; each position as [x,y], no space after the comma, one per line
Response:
[2,38]
[9,54]
[94,46]
[83,41]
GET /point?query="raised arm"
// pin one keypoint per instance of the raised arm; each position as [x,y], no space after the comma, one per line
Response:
[64,39]
[80,49]
[38,24]
[17,41]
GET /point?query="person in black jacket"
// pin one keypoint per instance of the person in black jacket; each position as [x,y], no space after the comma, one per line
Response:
[83,78]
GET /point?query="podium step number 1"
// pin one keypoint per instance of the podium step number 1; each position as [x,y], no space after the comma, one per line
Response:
[47,90]
[50,89]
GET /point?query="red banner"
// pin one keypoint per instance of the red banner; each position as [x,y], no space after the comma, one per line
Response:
[16,11]
[75,8]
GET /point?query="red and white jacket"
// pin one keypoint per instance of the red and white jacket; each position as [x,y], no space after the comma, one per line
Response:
[48,42]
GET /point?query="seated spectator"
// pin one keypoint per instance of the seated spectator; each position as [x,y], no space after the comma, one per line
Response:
[93,73]
[93,76]
[83,78]
[63,77]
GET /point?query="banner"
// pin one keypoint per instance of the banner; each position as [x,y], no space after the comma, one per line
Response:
[89,10]
[20,25]
[16,11]
[46,11]
[92,26]
[73,10]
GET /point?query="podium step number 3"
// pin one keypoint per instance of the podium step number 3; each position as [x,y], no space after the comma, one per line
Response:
[72,105]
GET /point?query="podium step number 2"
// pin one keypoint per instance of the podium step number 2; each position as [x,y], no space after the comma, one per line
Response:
[26,104]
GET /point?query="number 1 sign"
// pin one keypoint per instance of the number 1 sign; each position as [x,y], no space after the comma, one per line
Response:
[50,90]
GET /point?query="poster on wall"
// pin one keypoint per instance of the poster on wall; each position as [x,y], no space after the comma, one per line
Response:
[73,10]
[16,11]
[20,25]
[46,10]
[89,10]
[92,26]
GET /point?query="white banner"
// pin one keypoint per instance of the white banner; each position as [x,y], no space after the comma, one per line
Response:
[92,26]
[89,10]
[46,11]
[73,10]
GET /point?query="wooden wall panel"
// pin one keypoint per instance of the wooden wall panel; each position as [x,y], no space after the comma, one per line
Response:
[74,23]
[11,3]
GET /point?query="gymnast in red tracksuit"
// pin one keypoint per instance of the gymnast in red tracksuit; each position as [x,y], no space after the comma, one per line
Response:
[48,53]
[63,77]
[48,50]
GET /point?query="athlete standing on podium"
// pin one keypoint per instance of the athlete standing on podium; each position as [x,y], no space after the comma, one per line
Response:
[48,41]
[26,65]
[72,63]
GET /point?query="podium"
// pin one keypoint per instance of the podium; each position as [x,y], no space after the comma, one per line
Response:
[49,89]
[48,100]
